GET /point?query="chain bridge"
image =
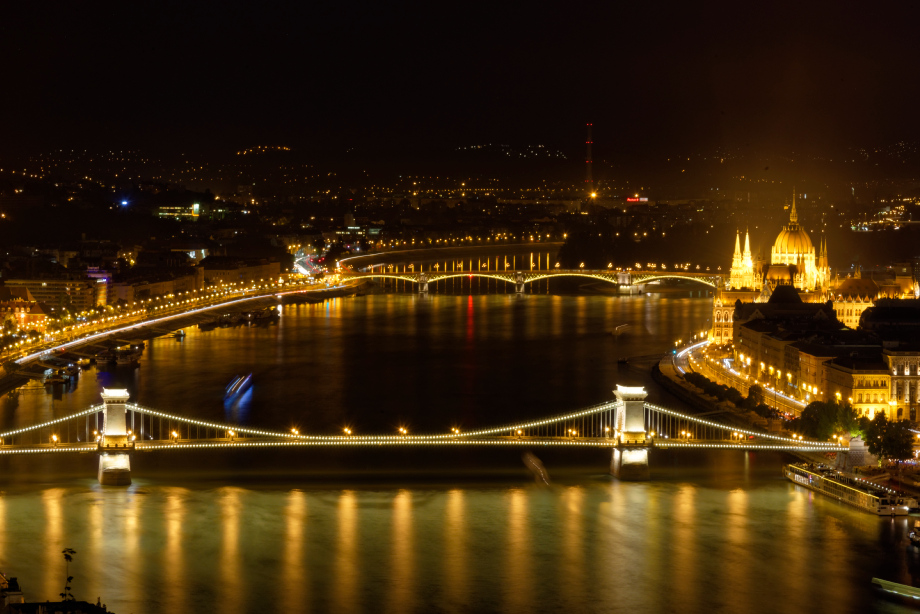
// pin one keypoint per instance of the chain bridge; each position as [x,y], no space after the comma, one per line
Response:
[628,281]
[117,429]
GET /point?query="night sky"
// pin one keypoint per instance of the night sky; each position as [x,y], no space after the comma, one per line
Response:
[382,77]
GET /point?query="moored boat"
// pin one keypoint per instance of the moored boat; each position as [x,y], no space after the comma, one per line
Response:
[848,489]
[127,358]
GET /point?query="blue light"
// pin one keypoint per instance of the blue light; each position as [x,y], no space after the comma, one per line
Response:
[124,203]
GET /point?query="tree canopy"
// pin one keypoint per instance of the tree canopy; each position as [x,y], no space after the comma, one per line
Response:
[822,420]
[888,439]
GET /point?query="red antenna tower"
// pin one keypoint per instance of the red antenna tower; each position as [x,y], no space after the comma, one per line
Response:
[589,176]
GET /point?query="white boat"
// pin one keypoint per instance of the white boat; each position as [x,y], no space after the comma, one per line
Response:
[848,489]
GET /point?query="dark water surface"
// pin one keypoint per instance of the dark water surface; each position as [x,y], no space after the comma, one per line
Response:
[415,530]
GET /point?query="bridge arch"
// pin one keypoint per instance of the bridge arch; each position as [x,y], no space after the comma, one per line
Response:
[607,277]
[406,277]
[433,277]
[644,278]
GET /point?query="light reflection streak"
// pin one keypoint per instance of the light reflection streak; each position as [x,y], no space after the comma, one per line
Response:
[230,568]
[518,589]
[53,540]
[455,552]
[738,543]
[573,542]
[685,552]
[402,582]
[175,594]
[130,550]
[293,573]
[347,568]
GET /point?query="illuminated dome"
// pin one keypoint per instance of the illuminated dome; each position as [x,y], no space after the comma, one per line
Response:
[793,240]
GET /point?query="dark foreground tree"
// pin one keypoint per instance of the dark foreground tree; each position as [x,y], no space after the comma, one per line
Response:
[68,557]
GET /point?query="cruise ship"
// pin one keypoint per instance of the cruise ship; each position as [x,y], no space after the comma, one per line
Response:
[859,493]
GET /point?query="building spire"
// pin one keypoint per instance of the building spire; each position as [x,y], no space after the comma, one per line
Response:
[793,216]
[747,243]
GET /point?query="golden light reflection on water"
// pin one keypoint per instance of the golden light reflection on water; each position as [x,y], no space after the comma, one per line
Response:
[518,589]
[347,569]
[684,552]
[738,547]
[573,544]
[795,553]
[293,574]
[4,522]
[175,590]
[230,566]
[402,583]
[455,551]
[130,534]
[53,540]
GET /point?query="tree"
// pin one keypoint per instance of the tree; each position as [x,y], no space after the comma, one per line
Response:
[887,439]
[755,395]
[823,420]
[819,420]
[68,557]
[848,420]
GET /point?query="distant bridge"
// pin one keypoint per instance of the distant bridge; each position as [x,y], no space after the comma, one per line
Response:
[630,427]
[631,280]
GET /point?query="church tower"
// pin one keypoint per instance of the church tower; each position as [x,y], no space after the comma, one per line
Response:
[742,271]
[749,279]
[735,277]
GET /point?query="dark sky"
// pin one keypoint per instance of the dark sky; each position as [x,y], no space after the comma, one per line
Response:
[382,76]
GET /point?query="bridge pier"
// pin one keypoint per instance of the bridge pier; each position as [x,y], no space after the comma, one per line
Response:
[519,282]
[423,284]
[630,457]
[625,284]
[114,465]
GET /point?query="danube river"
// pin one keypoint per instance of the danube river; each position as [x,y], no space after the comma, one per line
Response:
[414,530]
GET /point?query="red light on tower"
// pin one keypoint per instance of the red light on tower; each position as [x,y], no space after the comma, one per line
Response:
[589,177]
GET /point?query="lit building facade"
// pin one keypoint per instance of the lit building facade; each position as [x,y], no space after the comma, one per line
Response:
[904,375]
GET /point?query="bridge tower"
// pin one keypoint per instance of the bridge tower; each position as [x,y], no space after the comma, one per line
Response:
[422,283]
[519,282]
[630,457]
[114,447]
[626,286]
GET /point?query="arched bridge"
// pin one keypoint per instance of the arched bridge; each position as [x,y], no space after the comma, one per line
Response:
[623,279]
[117,428]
